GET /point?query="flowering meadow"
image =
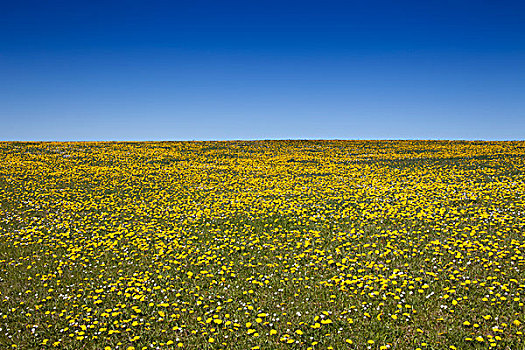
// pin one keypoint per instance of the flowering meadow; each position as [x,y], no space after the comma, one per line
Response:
[262,245]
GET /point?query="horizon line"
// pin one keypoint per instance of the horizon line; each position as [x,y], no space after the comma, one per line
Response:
[255,140]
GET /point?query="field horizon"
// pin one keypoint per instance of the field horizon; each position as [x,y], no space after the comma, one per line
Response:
[262,244]
[264,139]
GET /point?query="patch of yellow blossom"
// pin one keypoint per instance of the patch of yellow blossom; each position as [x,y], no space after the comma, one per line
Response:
[266,244]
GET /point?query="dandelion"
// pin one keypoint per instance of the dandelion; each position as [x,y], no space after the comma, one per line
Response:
[224,242]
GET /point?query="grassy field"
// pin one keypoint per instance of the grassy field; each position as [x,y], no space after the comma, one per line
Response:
[262,245]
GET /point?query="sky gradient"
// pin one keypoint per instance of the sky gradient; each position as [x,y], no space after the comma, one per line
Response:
[221,70]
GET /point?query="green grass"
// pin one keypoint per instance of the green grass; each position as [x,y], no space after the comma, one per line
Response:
[353,244]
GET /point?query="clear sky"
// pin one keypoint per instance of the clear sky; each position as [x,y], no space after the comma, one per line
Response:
[272,69]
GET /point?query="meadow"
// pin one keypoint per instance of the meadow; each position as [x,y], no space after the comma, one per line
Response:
[262,245]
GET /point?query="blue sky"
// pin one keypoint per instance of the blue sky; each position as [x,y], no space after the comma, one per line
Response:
[219,70]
